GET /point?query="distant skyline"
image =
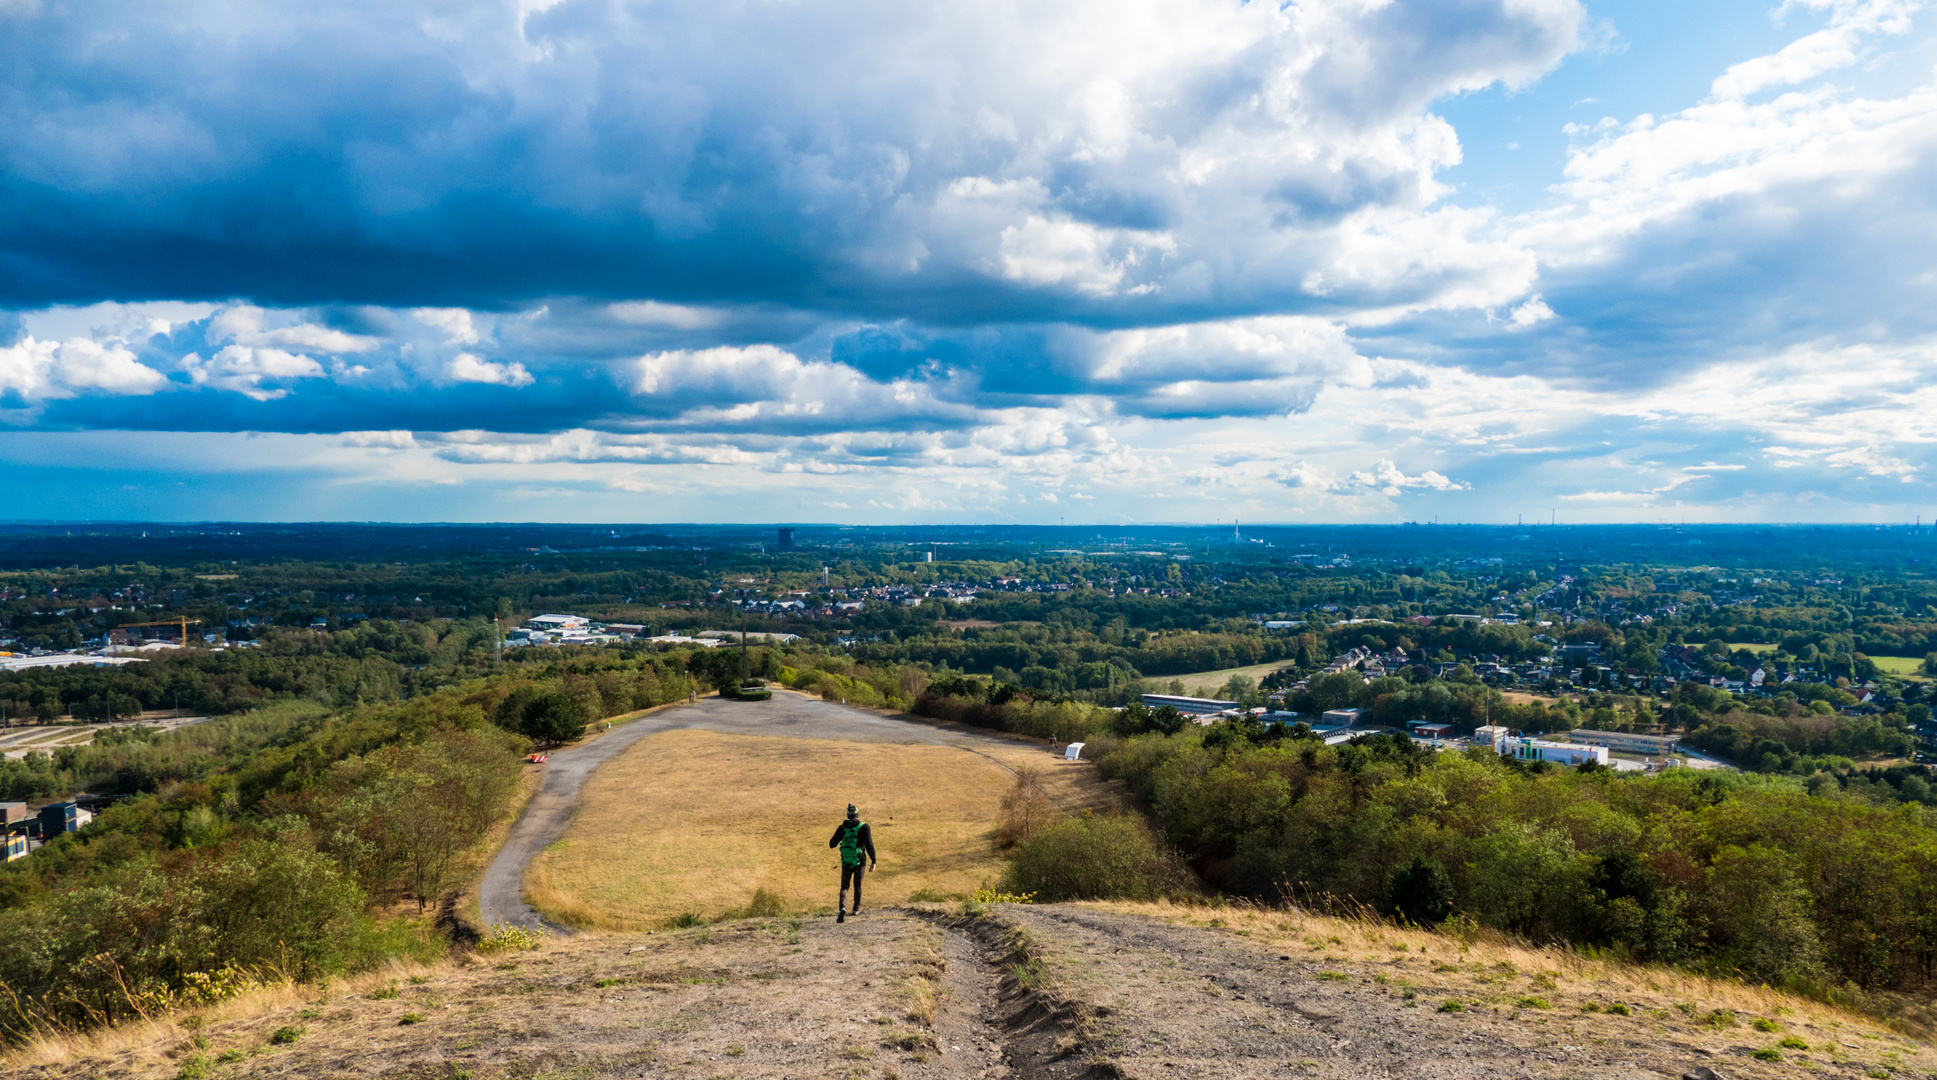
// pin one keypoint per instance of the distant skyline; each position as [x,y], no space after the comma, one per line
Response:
[1185,261]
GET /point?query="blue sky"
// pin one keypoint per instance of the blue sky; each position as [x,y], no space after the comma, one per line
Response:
[600,260]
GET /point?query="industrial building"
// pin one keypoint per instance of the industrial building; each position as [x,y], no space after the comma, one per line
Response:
[1195,706]
[62,817]
[1652,745]
[1526,748]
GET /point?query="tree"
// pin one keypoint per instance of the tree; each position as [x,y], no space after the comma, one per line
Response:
[1242,690]
[551,717]
[1336,690]
[1421,891]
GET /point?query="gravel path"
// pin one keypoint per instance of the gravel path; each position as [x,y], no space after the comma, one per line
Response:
[500,896]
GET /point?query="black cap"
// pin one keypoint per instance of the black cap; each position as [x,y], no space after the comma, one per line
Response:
[852,812]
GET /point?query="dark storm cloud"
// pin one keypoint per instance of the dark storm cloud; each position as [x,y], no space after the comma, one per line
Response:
[401,154]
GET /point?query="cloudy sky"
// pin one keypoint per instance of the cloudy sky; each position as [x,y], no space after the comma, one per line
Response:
[969,260]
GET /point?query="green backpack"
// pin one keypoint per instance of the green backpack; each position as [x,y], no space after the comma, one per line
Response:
[851,853]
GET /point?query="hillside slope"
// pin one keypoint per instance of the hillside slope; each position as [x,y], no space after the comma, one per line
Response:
[1039,993]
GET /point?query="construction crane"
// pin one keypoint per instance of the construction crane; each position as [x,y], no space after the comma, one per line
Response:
[183,623]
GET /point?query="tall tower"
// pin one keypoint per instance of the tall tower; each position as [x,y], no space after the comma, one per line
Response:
[786,540]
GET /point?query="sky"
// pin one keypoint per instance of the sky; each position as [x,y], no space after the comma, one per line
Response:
[969,261]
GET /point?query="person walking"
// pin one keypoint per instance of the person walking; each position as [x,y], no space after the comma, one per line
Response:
[856,842]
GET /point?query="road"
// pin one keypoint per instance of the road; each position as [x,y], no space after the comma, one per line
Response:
[501,894]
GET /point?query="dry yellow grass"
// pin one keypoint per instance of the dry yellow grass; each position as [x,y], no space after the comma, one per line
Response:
[697,821]
[139,1045]
[1492,971]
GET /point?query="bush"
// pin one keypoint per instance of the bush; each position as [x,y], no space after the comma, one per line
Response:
[1026,809]
[1421,891]
[1096,858]
[508,937]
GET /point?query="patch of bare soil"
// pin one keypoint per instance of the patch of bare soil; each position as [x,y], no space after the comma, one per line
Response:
[1016,992]
[755,998]
[1145,998]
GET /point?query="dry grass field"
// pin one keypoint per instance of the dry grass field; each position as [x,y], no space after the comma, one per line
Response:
[1211,683]
[697,822]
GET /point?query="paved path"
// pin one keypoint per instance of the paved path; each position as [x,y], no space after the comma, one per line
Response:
[501,894]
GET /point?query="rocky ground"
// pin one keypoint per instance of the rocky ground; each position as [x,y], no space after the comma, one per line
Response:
[1022,992]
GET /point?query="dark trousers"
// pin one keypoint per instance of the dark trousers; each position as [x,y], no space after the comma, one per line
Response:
[852,873]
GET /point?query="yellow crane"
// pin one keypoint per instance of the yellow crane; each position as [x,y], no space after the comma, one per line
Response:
[184,623]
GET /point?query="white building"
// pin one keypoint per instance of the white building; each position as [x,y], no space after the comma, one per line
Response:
[1194,706]
[1527,749]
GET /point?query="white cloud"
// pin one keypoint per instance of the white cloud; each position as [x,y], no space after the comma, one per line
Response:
[1531,313]
[677,316]
[55,369]
[389,440]
[1801,152]
[467,368]
[454,322]
[245,370]
[1388,479]
[1837,46]
[1067,252]
[246,325]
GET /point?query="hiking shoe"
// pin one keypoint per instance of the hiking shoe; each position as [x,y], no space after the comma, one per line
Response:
[840,915]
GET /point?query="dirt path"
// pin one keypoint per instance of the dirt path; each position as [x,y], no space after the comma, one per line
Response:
[500,894]
[1052,992]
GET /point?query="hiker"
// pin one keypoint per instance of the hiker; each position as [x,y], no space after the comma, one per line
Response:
[856,842]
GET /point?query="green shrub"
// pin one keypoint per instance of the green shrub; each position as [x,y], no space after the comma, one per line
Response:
[764,905]
[507,937]
[286,1034]
[410,1018]
[1792,1043]
[1451,1005]
[1096,858]
[1421,891]
[1767,1053]
[1716,1018]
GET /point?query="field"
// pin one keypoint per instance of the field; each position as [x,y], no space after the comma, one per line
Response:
[1759,650]
[697,821]
[1899,665]
[1207,683]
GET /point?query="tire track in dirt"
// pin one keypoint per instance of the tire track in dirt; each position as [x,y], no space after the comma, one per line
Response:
[989,1025]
